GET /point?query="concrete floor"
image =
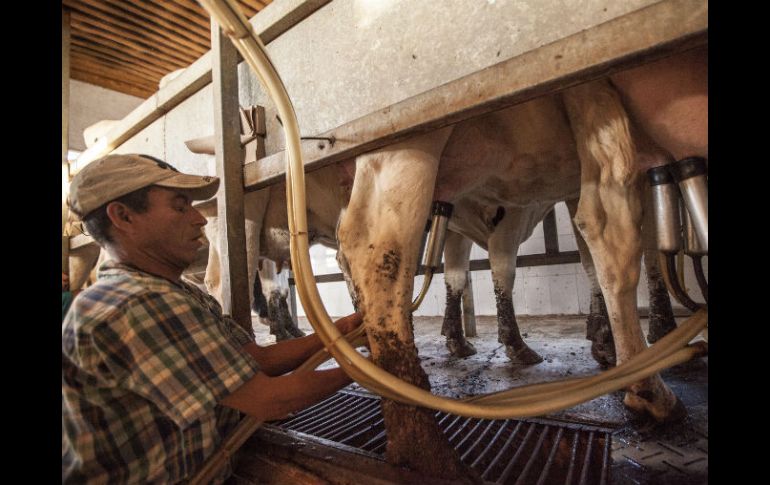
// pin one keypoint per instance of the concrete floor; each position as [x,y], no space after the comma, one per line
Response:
[642,453]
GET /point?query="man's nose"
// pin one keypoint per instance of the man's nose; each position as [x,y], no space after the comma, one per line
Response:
[198,218]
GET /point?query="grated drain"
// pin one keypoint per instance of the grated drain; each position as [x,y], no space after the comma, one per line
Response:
[521,452]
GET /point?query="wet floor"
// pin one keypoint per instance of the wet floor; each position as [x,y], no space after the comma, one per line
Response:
[642,453]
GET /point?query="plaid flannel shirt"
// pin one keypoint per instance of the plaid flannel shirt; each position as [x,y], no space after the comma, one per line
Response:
[144,363]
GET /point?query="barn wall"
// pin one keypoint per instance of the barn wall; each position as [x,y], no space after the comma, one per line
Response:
[90,104]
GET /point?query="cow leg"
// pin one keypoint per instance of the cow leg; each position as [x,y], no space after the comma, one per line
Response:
[661,319]
[278,315]
[457,252]
[277,309]
[598,329]
[609,218]
[503,245]
[342,262]
[212,279]
[379,237]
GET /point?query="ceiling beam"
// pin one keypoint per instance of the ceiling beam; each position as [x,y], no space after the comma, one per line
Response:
[118,59]
[86,23]
[117,17]
[161,17]
[133,51]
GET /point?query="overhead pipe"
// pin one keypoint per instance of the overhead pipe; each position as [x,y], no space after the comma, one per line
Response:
[668,231]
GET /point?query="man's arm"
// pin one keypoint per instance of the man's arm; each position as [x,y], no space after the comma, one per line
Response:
[283,357]
[267,398]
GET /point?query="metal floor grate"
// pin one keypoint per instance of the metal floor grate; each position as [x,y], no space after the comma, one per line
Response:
[532,451]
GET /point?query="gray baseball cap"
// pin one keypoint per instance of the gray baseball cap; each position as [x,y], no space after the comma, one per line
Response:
[113,176]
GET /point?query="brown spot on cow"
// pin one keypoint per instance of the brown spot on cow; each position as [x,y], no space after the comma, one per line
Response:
[391,262]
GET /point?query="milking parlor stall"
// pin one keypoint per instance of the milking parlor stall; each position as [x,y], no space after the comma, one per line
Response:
[433,148]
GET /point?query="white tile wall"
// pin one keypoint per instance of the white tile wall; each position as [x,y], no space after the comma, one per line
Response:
[484,293]
[334,297]
[537,296]
[583,290]
[563,293]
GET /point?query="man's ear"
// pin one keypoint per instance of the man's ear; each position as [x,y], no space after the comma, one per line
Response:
[120,215]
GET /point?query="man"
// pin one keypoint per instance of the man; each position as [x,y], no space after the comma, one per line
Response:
[153,375]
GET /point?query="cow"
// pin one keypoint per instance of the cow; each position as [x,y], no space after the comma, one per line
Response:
[500,231]
[267,298]
[580,143]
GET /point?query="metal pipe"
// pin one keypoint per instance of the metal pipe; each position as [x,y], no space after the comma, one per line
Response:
[665,203]
[692,243]
[441,211]
[690,173]
[694,249]
[666,212]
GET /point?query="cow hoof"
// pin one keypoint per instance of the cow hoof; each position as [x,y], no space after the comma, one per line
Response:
[642,407]
[295,331]
[460,347]
[604,355]
[524,355]
[281,334]
[659,329]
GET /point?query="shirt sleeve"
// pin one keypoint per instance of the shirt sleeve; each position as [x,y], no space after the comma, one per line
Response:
[174,353]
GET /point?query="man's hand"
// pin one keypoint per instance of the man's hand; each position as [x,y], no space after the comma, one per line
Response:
[349,323]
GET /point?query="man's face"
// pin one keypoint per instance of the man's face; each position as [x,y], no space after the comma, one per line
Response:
[171,229]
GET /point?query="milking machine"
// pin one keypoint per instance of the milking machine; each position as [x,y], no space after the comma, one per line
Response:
[520,402]
[441,212]
[677,222]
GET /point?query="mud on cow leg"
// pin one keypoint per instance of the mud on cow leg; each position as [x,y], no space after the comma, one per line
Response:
[452,327]
[508,331]
[412,431]
[609,218]
[661,319]
[599,332]
[598,328]
[279,317]
[457,252]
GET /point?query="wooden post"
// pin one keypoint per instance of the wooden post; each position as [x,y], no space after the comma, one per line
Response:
[469,312]
[550,234]
[232,230]
[65,115]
